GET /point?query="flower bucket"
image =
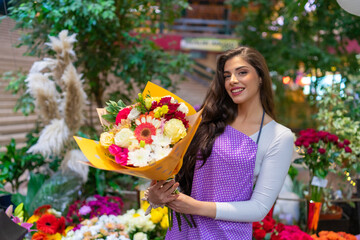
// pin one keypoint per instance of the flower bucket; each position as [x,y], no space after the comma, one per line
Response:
[313,215]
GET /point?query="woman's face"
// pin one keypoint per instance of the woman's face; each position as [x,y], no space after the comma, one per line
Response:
[241,80]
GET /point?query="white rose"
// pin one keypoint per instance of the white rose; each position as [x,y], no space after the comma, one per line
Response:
[183,108]
[140,236]
[124,138]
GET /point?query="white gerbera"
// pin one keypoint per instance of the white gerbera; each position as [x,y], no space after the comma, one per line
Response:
[161,140]
[160,152]
[148,119]
[139,157]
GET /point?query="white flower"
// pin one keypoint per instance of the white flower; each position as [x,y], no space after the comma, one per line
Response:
[139,157]
[134,113]
[148,119]
[161,140]
[140,236]
[183,108]
[124,138]
[54,212]
[160,152]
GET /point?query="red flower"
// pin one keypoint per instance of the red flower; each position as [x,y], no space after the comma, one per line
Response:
[42,210]
[306,144]
[346,142]
[279,227]
[48,223]
[268,223]
[321,150]
[256,225]
[259,234]
[39,236]
[144,131]
[348,149]
[322,134]
[275,237]
[123,114]
[341,145]
[61,225]
[309,151]
[298,142]
[333,138]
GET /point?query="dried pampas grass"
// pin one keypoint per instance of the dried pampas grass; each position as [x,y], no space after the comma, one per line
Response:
[75,98]
[40,66]
[52,138]
[45,94]
[63,45]
[73,162]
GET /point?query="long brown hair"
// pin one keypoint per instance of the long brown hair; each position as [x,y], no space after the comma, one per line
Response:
[219,110]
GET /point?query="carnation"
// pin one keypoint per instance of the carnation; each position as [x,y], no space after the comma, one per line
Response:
[175,130]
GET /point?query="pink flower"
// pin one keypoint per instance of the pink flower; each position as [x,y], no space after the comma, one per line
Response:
[309,151]
[346,142]
[120,154]
[123,114]
[306,144]
[340,145]
[84,210]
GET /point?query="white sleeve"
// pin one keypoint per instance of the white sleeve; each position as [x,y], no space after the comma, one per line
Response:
[272,174]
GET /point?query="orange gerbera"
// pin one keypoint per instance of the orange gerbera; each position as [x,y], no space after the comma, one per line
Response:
[39,236]
[48,223]
[144,131]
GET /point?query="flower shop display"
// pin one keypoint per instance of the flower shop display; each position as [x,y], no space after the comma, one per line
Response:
[147,139]
[268,228]
[320,151]
[107,227]
[93,207]
[330,235]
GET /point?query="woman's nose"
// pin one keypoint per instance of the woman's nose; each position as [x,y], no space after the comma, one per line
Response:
[233,79]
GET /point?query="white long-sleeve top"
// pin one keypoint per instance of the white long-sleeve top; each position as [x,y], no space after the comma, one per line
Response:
[273,158]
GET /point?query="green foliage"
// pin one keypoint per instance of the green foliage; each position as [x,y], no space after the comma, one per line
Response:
[337,114]
[111,37]
[17,86]
[306,35]
[15,161]
[113,109]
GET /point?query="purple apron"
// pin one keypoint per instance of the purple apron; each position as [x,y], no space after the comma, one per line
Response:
[227,176]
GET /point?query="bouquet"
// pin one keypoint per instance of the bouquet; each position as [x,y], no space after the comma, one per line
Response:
[147,139]
[322,152]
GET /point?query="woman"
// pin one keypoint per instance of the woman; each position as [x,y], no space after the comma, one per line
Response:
[237,146]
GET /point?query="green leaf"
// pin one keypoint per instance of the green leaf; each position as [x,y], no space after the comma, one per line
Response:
[109,117]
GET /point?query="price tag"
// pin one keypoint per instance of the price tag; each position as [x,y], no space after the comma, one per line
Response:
[319,182]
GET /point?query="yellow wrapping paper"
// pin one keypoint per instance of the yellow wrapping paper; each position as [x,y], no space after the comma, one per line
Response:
[161,169]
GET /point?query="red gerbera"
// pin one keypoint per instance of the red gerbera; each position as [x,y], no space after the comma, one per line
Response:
[39,236]
[48,223]
[61,225]
[144,131]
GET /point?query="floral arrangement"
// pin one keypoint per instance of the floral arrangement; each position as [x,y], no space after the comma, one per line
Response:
[49,223]
[320,149]
[107,227]
[145,132]
[330,235]
[321,152]
[93,207]
[268,228]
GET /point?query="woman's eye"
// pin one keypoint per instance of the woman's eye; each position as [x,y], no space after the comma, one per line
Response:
[226,77]
[242,73]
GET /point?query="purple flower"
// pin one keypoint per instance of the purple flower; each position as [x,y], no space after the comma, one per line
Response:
[84,210]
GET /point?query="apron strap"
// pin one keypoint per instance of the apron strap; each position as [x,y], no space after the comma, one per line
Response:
[261,125]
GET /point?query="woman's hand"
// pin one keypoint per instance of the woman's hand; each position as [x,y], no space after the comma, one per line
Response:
[162,192]
[188,205]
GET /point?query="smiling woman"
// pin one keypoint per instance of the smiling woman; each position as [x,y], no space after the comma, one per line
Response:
[238,144]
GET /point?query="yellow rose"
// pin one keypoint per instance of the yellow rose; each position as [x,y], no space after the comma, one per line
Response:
[124,138]
[106,139]
[174,129]
[165,222]
[156,215]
